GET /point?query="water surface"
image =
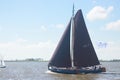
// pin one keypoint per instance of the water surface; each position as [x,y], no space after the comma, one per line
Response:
[38,71]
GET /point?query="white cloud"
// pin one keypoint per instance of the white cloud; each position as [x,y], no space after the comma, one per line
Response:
[113,25]
[94,1]
[21,40]
[57,26]
[48,27]
[26,49]
[43,28]
[60,26]
[98,13]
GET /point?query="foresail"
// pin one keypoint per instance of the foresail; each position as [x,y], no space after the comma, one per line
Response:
[84,53]
[61,57]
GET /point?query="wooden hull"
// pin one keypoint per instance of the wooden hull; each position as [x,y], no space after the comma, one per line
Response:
[77,71]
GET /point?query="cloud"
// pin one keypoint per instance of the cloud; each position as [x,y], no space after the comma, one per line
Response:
[43,28]
[26,49]
[60,26]
[21,40]
[99,13]
[113,25]
[94,1]
[48,27]
[21,49]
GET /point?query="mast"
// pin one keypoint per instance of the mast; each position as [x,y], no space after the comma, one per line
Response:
[72,39]
[73,11]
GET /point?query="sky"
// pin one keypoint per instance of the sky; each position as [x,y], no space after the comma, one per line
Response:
[33,28]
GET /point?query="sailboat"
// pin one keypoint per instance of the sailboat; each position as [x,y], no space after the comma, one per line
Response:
[2,64]
[75,53]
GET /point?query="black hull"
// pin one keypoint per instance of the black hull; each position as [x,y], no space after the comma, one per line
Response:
[76,71]
[3,67]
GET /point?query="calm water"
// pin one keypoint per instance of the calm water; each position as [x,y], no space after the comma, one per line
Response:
[38,71]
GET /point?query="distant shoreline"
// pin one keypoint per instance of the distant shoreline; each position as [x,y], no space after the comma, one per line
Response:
[114,60]
[23,61]
[28,60]
[41,60]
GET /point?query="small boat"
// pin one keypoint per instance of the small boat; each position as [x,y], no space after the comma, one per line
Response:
[75,53]
[2,64]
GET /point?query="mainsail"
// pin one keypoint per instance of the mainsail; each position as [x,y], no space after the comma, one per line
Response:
[84,54]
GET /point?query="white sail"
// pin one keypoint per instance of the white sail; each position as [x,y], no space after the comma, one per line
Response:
[2,63]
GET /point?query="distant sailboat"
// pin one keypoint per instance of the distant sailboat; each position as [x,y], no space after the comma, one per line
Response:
[2,64]
[75,53]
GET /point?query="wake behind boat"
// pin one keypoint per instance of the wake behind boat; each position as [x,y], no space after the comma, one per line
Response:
[75,53]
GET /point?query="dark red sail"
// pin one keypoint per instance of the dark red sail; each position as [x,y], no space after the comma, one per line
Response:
[61,57]
[84,53]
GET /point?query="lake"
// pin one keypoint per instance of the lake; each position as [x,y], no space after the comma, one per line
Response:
[38,71]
